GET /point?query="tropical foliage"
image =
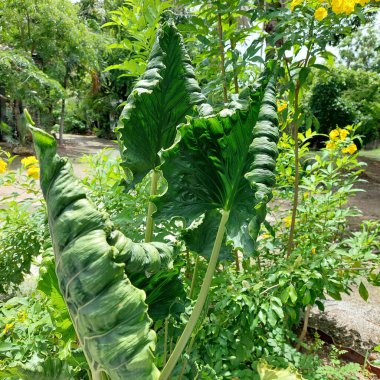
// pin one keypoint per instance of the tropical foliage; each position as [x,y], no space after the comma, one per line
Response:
[198,251]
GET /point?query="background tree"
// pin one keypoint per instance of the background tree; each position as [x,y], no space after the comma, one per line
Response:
[361,50]
[55,39]
[24,83]
[343,97]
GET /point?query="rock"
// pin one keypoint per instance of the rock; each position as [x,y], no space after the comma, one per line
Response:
[351,322]
[23,150]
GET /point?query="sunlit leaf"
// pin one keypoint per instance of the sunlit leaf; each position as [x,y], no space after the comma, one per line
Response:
[225,162]
[163,97]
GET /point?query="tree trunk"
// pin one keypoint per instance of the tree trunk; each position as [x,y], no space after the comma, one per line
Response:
[37,118]
[62,120]
[3,105]
[236,82]
[17,106]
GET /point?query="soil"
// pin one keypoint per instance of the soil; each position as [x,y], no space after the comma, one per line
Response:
[368,201]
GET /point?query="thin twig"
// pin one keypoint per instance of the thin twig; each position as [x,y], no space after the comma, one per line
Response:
[297,171]
[222,60]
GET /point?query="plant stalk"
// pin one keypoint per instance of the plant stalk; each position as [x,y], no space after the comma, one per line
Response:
[222,59]
[188,351]
[149,217]
[194,279]
[95,375]
[181,344]
[237,261]
[297,171]
[166,339]
[304,328]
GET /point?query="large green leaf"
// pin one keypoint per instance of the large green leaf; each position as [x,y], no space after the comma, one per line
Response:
[164,290]
[49,369]
[160,101]
[200,235]
[266,372]
[225,162]
[48,284]
[109,314]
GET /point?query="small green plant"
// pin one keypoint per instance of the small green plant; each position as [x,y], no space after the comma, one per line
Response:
[36,340]
[338,370]
[21,232]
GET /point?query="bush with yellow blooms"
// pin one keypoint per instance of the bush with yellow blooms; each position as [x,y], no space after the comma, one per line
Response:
[31,165]
[339,7]
[342,139]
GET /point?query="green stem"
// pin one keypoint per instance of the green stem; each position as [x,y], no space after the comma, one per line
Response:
[181,344]
[190,346]
[222,58]
[166,339]
[297,171]
[194,279]
[149,218]
[188,264]
[188,351]
[304,328]
[237,262]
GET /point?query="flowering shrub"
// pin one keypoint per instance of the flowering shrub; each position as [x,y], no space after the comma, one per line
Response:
[21,231]
[3,166]
[31,165]
[345,7]
[340,140]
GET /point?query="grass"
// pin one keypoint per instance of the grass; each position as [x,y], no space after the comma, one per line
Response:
[374,154]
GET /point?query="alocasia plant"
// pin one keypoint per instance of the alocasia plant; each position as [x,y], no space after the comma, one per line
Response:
[108,313]
[223,166]
[225,162]
[165,94]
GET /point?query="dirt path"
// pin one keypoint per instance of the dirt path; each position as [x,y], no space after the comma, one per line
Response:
[74,147]
[368,201]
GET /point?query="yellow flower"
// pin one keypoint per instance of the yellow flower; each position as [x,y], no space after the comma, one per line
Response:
[343,134]
[295,3]
[343,6]
[320,13]
[334,134]
[287,221]
[281,105]
[305,194]
[22,315]
[351,149]
[27,161]
[330,145]
[3,166]
[33,172]
[313,250]
[8,327]
[266,236]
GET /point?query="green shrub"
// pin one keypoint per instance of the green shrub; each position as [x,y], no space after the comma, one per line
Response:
[343,97]
[23,225]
